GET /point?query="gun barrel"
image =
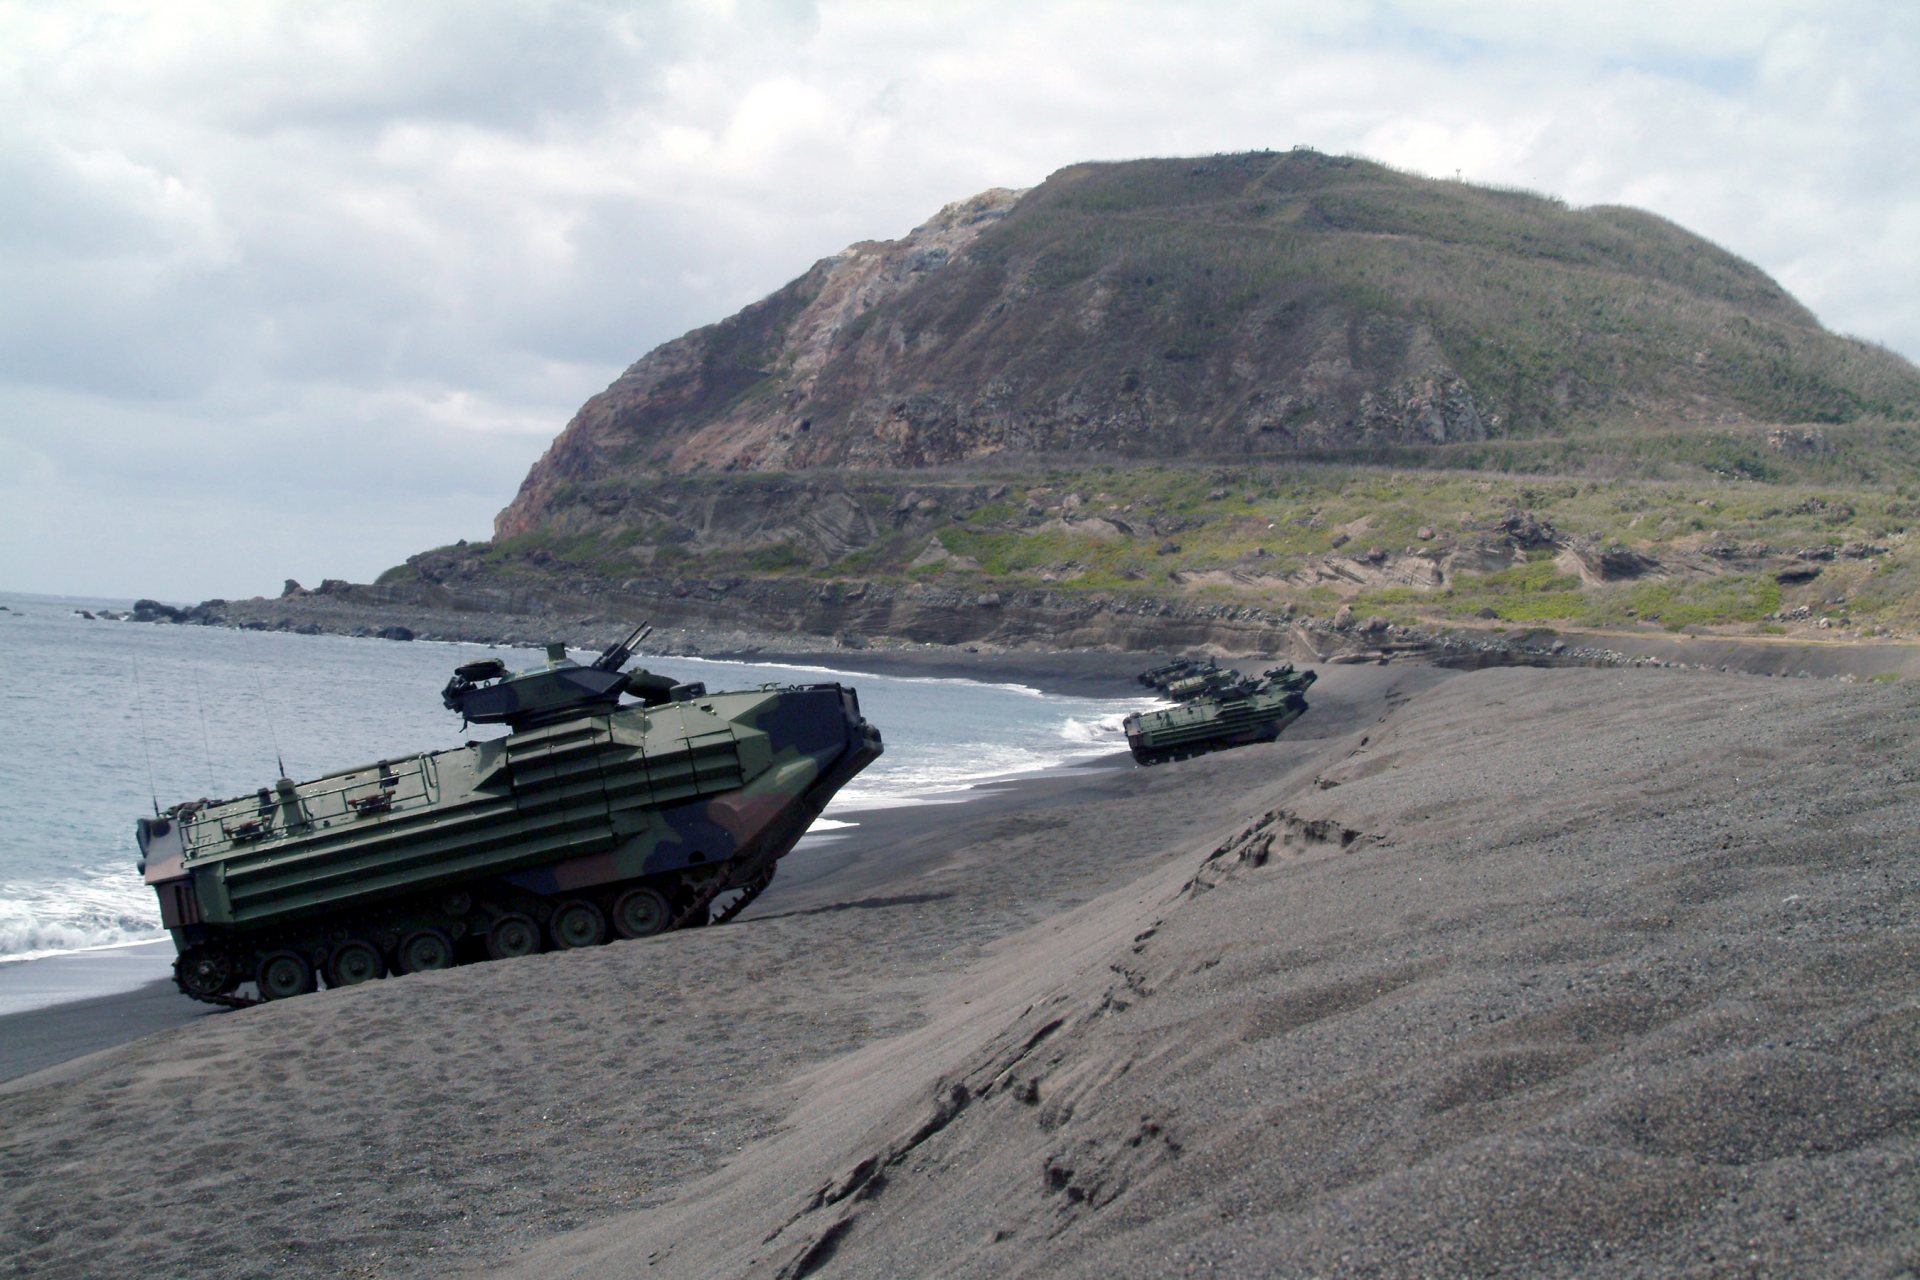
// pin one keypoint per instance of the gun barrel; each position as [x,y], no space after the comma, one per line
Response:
[616,657]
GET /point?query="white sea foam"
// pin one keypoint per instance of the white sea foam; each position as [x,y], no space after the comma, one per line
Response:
[102,909]
[947,774]
[1103,730]
[854,799]
[861,677]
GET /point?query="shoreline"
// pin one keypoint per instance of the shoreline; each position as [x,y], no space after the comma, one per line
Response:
[66,976]
[1232,634]
[57,1008]
[93,972]
[88,1020]
[85,977]
[1460,644]
[1062,672]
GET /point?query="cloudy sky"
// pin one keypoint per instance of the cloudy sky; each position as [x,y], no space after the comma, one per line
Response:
[295,289]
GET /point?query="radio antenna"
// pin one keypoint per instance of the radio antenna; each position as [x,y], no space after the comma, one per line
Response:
[206,739]
[140,706]
[268,712]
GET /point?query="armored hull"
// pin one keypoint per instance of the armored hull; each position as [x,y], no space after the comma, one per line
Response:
[590,818]
[1246,712]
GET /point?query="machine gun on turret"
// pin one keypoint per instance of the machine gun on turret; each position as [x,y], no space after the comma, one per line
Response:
[485,692]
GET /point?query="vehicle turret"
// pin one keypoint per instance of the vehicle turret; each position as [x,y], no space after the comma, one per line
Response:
[487,693]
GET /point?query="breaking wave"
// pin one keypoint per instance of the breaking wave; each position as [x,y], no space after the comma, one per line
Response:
[1104,730]
[100,909]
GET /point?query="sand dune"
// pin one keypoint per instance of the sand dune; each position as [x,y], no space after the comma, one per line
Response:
[1566,972]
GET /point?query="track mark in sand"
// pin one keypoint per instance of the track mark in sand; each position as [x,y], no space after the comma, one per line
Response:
[819,1254]
[1496,1075]
[1095,1167]
[1889,1037]
[1091,1173]
[1279,831]
[1757,1107]
[1520,1054]
[862,904]
[868,1178]
[1603,1020]
[1396,698]
[1131,988]
[1290,1010]
[1027,1091]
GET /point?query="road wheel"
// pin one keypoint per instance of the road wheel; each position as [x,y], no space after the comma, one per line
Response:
[641,913]
[353,962]
[204,973]
[577,923]
[423,951]
[282,974]
[511,936]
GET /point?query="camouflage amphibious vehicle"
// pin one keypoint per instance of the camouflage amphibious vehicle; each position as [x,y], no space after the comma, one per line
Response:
[1167,672]
[1243,712]
[1205,678]
[588,816]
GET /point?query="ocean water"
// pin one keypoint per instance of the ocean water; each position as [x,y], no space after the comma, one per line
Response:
[104,719]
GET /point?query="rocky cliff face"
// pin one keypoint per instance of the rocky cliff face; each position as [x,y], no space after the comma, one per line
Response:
[689,392]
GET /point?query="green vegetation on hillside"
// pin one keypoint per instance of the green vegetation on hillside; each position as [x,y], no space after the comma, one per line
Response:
[1555,318]
[1710,550]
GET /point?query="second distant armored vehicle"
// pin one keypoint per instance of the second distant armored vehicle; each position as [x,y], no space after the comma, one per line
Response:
[1244,712]
[1207,678]
[590,816]
[1167,672]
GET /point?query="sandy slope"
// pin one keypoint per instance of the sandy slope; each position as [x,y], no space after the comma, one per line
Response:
[1562,972]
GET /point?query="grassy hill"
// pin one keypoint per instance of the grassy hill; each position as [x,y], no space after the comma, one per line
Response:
[1226,285]
[1288,380]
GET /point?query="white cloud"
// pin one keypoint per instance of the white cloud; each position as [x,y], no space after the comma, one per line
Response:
[423,234]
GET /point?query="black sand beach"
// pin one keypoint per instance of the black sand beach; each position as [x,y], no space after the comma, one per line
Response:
[1547,972]
[81,1021]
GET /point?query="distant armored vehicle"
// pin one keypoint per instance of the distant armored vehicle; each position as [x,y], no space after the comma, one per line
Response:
[1243,712]
[1167,672]
[1205,679]
[589,816]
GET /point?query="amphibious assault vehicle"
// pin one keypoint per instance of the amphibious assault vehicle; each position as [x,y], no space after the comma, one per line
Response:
[1204,679]
[1243,712]
[1167,672]
[588,816]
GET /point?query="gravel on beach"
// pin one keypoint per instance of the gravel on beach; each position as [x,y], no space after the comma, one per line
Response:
[1570,972]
